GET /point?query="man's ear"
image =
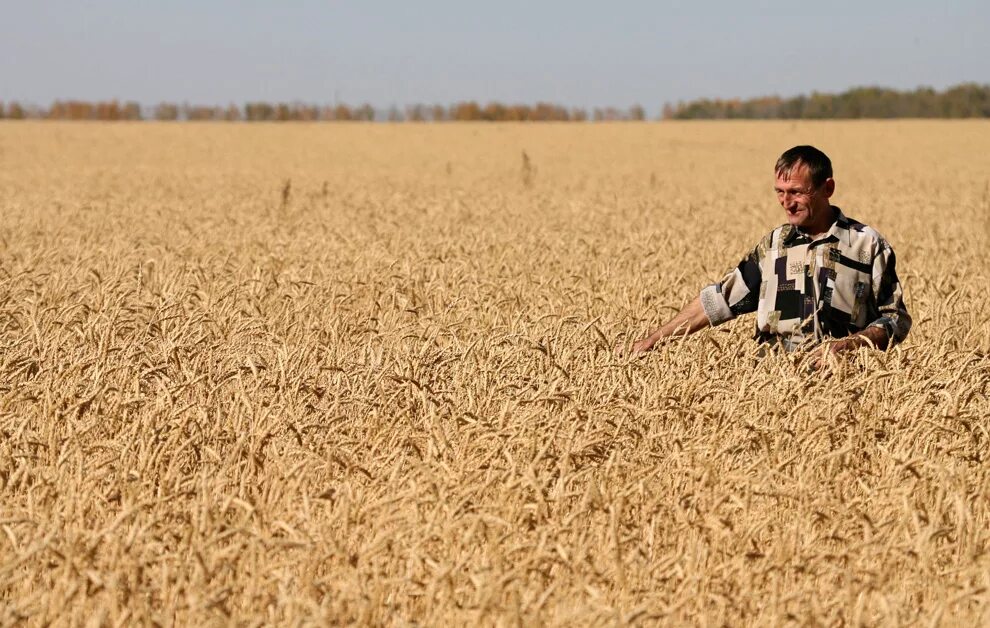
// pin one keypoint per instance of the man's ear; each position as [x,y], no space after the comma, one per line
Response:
[829,187]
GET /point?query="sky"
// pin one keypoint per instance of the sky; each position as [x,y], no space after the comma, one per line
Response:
[573,53]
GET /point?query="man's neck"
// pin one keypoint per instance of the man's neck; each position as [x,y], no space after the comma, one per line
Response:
[819,231]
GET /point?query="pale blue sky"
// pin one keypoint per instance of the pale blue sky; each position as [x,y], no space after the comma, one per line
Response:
[575,53]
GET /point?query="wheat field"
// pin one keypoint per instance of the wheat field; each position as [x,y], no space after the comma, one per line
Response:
[335,374]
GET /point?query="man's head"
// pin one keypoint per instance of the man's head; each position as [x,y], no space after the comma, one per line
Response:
[804,184]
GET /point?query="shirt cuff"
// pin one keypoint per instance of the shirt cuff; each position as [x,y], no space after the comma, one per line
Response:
[894,328]
[716,308]
[884,324]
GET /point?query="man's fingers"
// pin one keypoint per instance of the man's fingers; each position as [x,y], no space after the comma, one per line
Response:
[813,361]
[636,350]
[640,349]
[622,348]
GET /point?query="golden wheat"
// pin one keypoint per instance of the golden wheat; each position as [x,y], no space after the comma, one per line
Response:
[331,373]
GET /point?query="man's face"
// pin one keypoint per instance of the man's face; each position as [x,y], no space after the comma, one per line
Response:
[806,206]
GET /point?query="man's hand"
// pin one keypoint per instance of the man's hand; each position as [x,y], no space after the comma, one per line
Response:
[818,358]
[637,350]
[690,319]
[642,347]
[875,337]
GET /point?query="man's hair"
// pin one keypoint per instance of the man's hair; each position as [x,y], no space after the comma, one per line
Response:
[818,164]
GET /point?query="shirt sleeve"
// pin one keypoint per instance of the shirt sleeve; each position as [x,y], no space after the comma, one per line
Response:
[738,292]
[891,314]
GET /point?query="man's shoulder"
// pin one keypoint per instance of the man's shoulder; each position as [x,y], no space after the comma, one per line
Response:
[776,236]
[768,242]
[861,231]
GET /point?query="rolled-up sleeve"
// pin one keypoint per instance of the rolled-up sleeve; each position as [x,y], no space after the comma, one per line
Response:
[891,313]
[737,293]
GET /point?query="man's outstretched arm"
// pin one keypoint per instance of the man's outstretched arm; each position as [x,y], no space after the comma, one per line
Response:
[719,302]
[690,319]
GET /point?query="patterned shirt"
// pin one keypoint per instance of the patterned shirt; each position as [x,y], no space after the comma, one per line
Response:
[803,289]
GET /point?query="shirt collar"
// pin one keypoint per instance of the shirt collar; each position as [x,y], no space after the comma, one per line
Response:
[839,231]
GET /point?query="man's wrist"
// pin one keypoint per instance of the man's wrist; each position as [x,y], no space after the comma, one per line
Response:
[874,337]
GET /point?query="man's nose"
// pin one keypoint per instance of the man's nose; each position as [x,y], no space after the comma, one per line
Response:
[789,200]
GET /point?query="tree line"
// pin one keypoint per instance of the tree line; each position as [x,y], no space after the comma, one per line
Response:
[301,112]
[968,100]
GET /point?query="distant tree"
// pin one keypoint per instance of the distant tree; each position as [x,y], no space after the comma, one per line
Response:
[201,113]
[438,113]
[547,112]
[819,106]
[790,108]
[967,100]
[365,113]
[608,114]
[636,112]
[57,111]
[166,111]
[258,112]
[109,110]
[15,111]
[465,112]
[416,113]
[131,111]
[83,110]
[924,103]
[493,112]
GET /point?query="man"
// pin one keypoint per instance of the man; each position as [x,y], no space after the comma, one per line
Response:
[822,281]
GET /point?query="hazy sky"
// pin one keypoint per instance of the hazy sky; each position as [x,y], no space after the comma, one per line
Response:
[574,53]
